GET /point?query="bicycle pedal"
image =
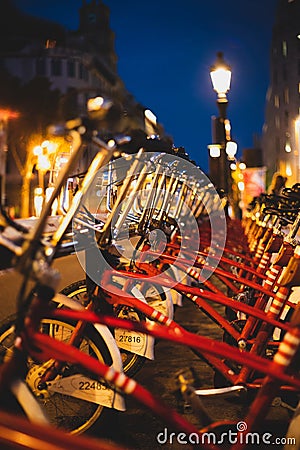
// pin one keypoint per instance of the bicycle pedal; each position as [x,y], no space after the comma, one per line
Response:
[187,408]
[279,402]
[225,391]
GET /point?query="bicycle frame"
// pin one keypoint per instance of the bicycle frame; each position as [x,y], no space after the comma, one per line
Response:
[275,370]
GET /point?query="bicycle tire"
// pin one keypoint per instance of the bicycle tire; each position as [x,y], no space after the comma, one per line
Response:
[132,363]
[68,413]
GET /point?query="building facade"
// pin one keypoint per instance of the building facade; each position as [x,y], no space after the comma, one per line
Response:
[83,60]
[281,131]
[78,64]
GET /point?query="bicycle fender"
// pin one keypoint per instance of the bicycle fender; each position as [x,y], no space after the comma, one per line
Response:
[135,342]
[112,399]
[29,403]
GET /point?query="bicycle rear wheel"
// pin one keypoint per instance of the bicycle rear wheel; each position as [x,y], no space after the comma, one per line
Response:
[72,414]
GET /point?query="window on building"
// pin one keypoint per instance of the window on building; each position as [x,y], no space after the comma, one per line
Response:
[284,48]
[286,118]
[277,145]
[71,69]
[288,170]
[81,99]
[56,67]
[287,147]
[92,18]
[286,96]
[284,73]
[87,97]
[275,77]
[276,101]
[50,43]
[40,67]
[277,122]
[85,74]
[81,70]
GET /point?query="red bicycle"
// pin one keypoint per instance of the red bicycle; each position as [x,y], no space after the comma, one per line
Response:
[59,366]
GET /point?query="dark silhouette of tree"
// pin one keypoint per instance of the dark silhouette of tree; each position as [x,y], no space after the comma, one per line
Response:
[38,105]
[9,89]
[68,107]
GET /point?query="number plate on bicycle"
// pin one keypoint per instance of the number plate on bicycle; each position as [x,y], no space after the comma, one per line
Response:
[85,388]
[134,342]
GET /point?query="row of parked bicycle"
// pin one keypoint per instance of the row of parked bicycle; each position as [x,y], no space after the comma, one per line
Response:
[150,231]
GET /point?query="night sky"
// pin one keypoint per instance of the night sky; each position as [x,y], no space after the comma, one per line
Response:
[165,49]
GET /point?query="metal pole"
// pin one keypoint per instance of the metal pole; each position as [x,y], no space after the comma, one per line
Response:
[3,154]
[221,139]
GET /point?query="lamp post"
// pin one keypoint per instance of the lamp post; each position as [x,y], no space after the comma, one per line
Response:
[296,171]
[220,74]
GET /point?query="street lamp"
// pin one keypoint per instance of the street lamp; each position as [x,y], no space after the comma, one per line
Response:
[214,150]
[220,74]
[231,149]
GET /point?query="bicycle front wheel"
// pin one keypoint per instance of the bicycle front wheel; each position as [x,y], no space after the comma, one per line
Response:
[66,411]
[132,363]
